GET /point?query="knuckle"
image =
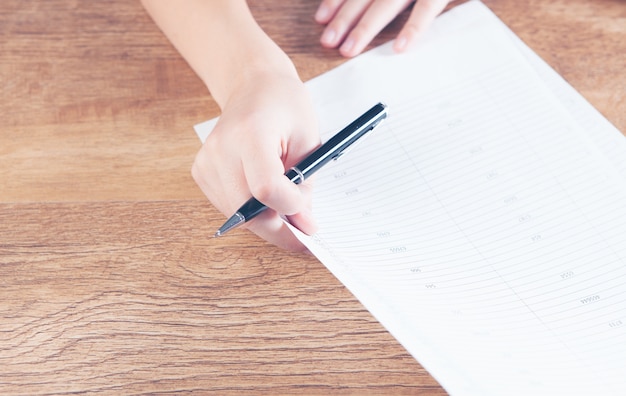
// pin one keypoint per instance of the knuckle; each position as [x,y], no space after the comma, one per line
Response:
[263,191]
[361,30]
[195,172]
[198,165]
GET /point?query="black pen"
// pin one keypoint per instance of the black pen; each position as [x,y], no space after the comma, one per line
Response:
[331,150]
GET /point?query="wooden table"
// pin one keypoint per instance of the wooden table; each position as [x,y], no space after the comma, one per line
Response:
[109,280]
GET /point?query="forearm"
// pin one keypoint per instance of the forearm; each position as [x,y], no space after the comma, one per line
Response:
[220,40]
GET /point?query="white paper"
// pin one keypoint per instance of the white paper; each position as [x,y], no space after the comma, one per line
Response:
[484,222]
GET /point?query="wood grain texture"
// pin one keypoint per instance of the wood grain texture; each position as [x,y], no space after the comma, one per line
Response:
[133,297]
[108,280]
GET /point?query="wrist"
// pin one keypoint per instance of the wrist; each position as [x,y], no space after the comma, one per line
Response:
[251,55]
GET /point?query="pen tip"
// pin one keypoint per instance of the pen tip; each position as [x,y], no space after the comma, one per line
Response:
[232,222]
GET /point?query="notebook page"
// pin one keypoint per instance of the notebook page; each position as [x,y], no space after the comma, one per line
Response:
[608,139]
[488,237]
[605,135]
[492,251]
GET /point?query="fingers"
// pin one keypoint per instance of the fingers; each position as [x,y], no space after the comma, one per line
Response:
[377,16]
[266,127]
[264,174]
[327,10]
[273,229]
[304,220]
[423,14]
[353,24]
[343,20]
[269,226]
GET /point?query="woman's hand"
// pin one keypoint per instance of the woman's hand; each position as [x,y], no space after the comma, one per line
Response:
[352,24]
[266,126]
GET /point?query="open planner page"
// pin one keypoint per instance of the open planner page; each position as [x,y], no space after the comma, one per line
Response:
[484,222]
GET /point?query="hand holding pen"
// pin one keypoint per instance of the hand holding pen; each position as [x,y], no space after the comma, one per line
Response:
[208,173]
[265,127]
[334,148]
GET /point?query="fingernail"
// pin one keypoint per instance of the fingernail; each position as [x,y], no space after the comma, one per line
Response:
[321,14]
[328,37]
[347,46]
[400,44]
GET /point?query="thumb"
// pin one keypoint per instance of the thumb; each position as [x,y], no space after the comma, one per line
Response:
[264,173]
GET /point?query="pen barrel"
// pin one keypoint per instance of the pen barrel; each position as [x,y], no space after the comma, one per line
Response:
[330,150]
[295,175]
[336,146]
[251,209]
